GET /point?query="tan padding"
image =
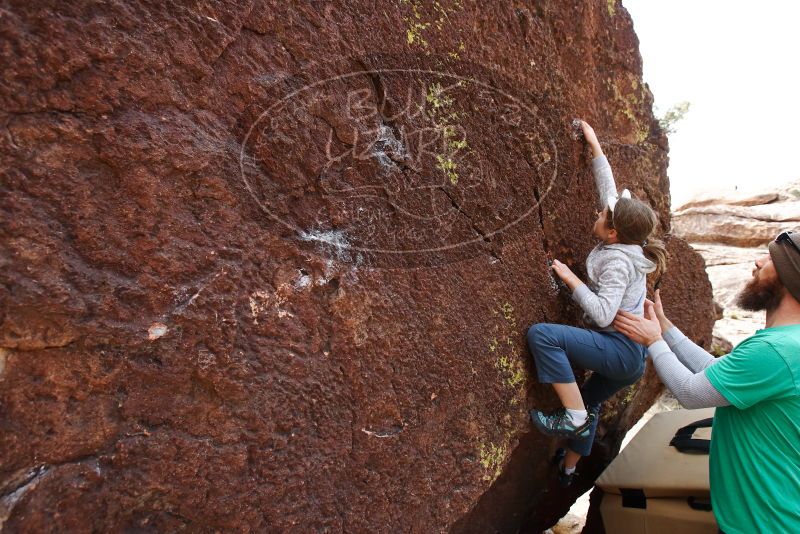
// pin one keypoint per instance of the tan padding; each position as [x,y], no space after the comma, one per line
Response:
[664,515]
[650,464]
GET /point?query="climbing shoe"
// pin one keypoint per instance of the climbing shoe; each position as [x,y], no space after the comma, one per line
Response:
[564,479]
[560,424]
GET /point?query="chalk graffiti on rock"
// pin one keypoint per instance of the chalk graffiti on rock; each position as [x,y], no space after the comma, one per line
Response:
[389,162]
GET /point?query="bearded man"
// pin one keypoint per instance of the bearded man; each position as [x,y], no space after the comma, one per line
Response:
[754,463]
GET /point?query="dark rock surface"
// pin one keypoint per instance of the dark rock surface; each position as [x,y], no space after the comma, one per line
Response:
[269,266]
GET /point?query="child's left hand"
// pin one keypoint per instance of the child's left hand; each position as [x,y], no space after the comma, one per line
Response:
[566,274]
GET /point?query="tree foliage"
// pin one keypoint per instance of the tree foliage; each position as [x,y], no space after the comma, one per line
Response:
[672,116]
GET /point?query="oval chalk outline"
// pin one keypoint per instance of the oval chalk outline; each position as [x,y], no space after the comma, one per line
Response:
[344,244]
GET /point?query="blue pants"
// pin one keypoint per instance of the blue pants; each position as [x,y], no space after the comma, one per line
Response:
[615,360]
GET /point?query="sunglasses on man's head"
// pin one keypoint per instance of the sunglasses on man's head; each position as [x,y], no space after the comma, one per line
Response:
[786,236]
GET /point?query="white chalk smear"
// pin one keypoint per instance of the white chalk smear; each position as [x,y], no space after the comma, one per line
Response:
[302,282]
[388,434]
[332,237]
[156,330]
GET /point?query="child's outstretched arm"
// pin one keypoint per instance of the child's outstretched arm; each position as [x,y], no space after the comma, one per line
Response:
[603,176]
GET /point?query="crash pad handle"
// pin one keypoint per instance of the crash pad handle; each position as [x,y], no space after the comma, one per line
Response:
[684,442]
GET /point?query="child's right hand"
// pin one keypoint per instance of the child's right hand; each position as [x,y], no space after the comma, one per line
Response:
[588,131]
[591,138]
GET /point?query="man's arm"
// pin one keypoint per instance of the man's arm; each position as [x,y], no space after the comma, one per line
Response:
[692,389]
[689,354]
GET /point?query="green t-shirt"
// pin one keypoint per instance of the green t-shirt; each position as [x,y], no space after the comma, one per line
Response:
[755,446]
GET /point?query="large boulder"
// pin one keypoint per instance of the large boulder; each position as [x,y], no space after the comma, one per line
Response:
[269,266]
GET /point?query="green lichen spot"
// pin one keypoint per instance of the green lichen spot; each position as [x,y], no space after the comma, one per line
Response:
[458,145]
[438,104]
[492,458]
[642,134]
[508,314]
[612,7]
[448,167]
[630,394]
[629,114]
[628,102]
[508,361]
[414,34]
[422,17]
[437,98]
[511,369]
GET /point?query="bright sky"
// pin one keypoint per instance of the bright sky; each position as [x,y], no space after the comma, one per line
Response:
[738,63]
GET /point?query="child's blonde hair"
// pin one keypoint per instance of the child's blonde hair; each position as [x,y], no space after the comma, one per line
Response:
[635,222]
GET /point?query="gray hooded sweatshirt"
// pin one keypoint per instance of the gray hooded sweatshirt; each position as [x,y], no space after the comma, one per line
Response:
[617,273]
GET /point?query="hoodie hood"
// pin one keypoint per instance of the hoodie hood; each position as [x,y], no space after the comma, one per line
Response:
[636,256]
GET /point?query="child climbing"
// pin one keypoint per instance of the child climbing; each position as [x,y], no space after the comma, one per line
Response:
[617,269]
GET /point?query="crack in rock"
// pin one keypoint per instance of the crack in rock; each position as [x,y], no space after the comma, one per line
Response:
[475,227]
[10,499]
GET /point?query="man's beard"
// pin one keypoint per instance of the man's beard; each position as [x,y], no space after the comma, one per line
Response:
[760,295]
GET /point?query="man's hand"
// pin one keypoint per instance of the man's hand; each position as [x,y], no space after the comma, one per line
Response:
[566,275]
[643,330]
[591,139]
[659,309]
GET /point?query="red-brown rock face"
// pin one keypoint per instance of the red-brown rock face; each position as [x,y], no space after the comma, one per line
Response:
[269,266]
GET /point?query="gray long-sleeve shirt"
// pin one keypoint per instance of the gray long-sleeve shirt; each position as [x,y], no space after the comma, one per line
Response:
[617,272]
[681,365]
